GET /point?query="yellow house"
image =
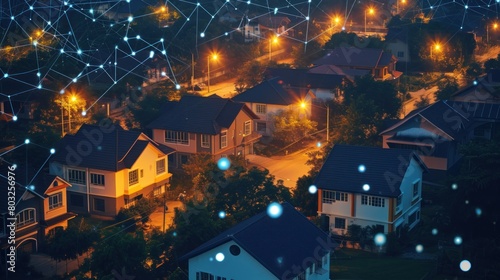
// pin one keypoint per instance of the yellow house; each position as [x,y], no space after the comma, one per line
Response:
[110,168]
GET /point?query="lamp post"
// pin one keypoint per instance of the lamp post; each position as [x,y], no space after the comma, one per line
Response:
[272,40]
[327,107]
[371,11]
[436,47]
[495,26]
[397,5]
[70,100]
[214,57]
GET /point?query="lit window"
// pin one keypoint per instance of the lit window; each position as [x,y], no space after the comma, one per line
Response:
[261,108]
[160,166]
[416,187]
[205,141]
[77,176]
[332,196]
[133,177]
[177,137]
[97,179]
[223,139]
[55,201]
[247,128]
[373,201]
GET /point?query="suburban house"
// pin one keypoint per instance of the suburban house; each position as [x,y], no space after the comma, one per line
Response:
[380,64]
[110,168]
[214,125]
[287,247]
[485,89]
[40,209]
[255,29]
[436,131]
[396,41]
[272,96]
[325,86]
[370,186]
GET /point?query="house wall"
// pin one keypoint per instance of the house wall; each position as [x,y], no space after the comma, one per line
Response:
[159,137]
[49,214]
[241,267]
[410,203]
[399,46]
[234,136]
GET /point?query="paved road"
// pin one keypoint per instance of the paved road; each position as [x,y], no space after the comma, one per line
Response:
[287,168]
[156,219]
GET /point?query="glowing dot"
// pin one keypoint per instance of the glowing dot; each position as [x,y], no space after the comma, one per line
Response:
[38,74]
[163,73]
[479,212]
[307,18]
[35,42]
[27,141]
[138,37]
[222,214]
[466,202]
[39,86]
[61,91]
[5,75]
[211,259]
[313,189]
[223,163]
[225,33]
[133,53]
[12,17]
[380,239]
[14,118]
[130,19]
[219,257]
[279,260]
[151,54]
[174,234]
[318,144]
[274,210]
[14,166]
[202,34]
[366,187]
[457,240]
[434,231]
[361,168]
[475,83]
[31,7]
[177,86]
[32,187]
[454,186]
[465,265]
[52,151]
[62,50]
[74,80]
[466,7]
[419,248]
[84,113]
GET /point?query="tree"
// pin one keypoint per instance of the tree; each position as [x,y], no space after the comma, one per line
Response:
[492,64]
[473,71]
[290,126]
[303,199]
[249,75]
[446,89]
[197,164]
[423,101]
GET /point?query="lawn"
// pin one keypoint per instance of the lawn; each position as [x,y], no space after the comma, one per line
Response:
[355,264]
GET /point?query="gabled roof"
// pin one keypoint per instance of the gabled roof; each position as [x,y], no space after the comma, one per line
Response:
[110,148]
[477,110]
[271,91]
[384,170]
[356,57]
[443,116]
[196,114]
[305,78]
[276,243]
[43,181]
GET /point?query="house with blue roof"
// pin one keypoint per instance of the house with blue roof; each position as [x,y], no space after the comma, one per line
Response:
[110,168]
[370,186]
[264,247]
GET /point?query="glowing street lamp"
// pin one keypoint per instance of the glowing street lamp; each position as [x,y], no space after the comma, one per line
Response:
[397,5]
[71,99]
[495,27]
[370,11]
[214,57]
[273,40]
[303,105]
[436,47]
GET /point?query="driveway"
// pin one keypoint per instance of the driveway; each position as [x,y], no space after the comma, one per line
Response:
[287,168]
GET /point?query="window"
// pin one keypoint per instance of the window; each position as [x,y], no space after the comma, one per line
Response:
[262,127]
[205,141]
[261,108]
[160,166]
[414,217]
[99,205]
[223,139]
[399,200]
[97,179]
[416,186]
[76,200]
[340,223]
[221,278]
[332,196]
[142,173]
[158,190]
[55,201]
[204,276]
[325,260]
[25,217]
[247,129]
[177,137]
[76,176]
[133,177]
[401,54]
[373,201]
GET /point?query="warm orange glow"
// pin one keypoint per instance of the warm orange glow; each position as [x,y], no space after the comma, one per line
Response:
[371,11]
[403,1]
[275,39]
[495,25]
[302,105]
[73,98]
[336,19]
[215,56]
[437,47]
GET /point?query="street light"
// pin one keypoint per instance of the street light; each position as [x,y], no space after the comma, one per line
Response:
[327,107]
[397,5]
[214,57]
[71,99]
[495,26]
[436,47]
[273,40]
[371,11]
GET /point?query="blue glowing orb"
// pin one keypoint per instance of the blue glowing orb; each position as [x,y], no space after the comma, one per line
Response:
[379,239]
[419,248]
[465,265]
[457,240]
[274,210]
[222,214]
[313,189]
[434,231]
[219,257]
[361,168]
[223,163]
[366,187]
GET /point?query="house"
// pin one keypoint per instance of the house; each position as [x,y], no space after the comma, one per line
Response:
[323,85]
[40,209]
[110,168]
[270,97]
[214,125]
[255,29]
[482,90]
[380,64]
[370,186]
[396,41]
[287,247]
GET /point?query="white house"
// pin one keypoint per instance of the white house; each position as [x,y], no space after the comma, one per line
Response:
[370,186]
[270,97]
[110,168]
[287,247]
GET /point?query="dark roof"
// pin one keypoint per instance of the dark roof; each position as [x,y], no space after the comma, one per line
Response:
[304,78]
[397,34]
[355,57]
[383,167]
[118,149]
[271,91]
[196,114]
[477,110]
[442,116]
[276,243]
